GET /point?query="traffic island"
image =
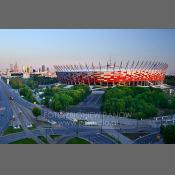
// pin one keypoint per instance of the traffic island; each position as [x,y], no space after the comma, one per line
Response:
[11,130]
[77,140]
[24,141]
[43,139]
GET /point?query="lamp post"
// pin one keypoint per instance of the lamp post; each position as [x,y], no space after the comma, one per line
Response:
[137,124]
[46,133]
[102,124]
[77,128]
[119,128]
[161,121]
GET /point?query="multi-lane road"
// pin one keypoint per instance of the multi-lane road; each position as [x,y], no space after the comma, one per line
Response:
[19,110]
[6,112]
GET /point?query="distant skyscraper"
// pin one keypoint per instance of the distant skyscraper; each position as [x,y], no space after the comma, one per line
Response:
[24,69]
[16,68]
[43,68]
[28,69]
[11,67]
[47,69]
[31,69]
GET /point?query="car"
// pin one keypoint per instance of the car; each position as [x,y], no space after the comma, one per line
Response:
[91,123]
[29,125]
[16,127]
[11,98]
[52,122]
[20,112]
[2,108]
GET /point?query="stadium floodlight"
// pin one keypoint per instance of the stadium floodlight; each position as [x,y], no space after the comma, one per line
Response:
[139,72]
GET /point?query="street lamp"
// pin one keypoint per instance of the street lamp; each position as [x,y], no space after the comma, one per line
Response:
[77,128]
[137,124]
[119,129]
[102,124]
[46,133]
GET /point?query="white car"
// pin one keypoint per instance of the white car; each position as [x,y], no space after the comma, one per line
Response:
[2,109]
[29,125]
[16,127]
[90,123]
[52,122]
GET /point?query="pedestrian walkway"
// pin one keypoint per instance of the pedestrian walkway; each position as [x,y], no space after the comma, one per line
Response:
[64,139]
[120,137]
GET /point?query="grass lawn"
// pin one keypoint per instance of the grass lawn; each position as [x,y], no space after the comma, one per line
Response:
[43,139]
[55,136]
[24,141]
[11,130]
[134,136]
[77,140]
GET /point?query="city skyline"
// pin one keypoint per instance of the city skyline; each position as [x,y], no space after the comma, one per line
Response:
[35,47]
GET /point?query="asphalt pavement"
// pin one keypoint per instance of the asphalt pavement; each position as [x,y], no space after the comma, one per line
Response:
[5,114]
[148,139]
[91,103]
[67,126]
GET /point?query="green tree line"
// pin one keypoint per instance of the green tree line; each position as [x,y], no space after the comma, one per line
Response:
[35,81]
[168,134]
[61,99]
[140,102]
[170,80]
[25,91]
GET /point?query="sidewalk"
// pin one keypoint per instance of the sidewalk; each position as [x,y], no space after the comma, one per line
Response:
[123,139]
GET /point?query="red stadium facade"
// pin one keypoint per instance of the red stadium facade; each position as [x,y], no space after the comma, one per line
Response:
[131,74]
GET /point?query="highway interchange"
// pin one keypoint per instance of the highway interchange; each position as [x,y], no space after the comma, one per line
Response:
[18,112]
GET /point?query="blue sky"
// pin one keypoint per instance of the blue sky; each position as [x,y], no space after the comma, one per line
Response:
[69,46]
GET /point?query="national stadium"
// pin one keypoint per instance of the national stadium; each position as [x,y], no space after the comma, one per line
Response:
[139,73]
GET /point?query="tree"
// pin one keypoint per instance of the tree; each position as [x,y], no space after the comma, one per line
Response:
[169,134]
[140,102]
[31,83]
[120,105]
[27,93]
[16,83]
[173,103]
[162,128]
[56,104]
[24,91]
[36,112]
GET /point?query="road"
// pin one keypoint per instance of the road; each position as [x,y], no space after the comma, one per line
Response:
[92,137]
[148,139]
[97,138]
[11,92]
[66,121]
[23,121]
[91,103]
[6,114]
[22,112]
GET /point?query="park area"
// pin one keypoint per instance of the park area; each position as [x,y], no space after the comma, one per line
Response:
[140,102]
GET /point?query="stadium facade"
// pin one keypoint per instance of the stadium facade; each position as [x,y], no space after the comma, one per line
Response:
[141,73]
